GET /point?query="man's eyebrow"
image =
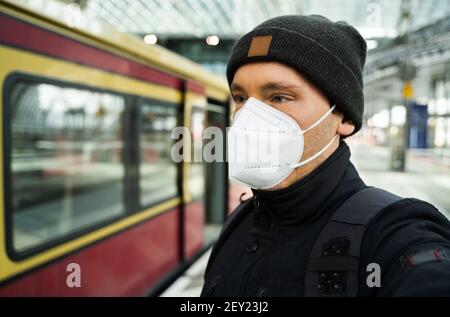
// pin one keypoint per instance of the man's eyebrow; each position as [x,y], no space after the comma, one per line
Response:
[266,87]
[236,87]
[277,86]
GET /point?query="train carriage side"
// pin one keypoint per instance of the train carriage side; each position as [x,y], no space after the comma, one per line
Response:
[87,173]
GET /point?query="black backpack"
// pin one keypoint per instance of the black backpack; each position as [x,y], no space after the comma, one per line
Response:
[333,267]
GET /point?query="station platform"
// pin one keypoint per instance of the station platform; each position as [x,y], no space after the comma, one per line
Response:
[426,177]
[191,282]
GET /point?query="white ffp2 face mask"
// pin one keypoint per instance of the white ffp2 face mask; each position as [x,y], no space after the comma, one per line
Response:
[265,145]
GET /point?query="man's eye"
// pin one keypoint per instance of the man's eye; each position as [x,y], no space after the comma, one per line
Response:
[279,99]
[239,99]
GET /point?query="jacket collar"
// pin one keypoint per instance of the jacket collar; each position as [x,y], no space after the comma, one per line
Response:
[307,199]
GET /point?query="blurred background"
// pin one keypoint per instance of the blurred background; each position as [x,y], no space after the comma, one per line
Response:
[73,159]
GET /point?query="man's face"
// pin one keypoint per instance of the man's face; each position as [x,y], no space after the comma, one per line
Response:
[286,90]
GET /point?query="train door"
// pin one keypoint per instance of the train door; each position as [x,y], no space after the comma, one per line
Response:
[193,171]
[216,174]
[204,184]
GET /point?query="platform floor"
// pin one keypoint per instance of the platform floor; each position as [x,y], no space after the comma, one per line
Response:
[191,282]
[427,177]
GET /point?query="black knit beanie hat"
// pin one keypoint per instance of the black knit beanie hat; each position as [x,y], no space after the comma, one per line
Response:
[330,54]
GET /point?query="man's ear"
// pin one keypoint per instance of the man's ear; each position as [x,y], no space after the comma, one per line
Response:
[346,127]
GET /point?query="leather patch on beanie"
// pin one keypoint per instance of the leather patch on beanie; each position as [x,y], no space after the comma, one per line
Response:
[259,45]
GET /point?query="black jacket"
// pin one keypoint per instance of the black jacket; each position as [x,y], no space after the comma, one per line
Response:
[267,252]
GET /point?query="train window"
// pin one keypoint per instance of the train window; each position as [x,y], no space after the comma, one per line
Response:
[197,169]
[66,161]
[158,178]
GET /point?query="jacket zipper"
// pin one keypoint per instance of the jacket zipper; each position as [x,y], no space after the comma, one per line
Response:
[256,203]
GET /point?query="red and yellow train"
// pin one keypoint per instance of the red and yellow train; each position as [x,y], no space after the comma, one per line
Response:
[87,173]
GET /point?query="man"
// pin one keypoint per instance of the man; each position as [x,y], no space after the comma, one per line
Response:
[313,228]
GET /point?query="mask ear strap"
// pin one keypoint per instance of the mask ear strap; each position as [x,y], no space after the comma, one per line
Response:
[317,154]
[321,119]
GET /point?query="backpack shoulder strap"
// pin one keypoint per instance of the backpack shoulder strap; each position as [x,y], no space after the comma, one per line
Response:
[230,224]
[333,265]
